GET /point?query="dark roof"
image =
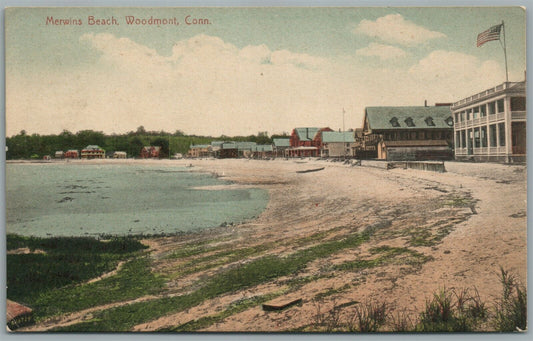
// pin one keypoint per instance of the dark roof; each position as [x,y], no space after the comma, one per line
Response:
[416,143]
[282,142]
[335,136]
[386,118]
[262,148]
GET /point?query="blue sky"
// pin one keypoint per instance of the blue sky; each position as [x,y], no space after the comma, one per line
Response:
[250,69]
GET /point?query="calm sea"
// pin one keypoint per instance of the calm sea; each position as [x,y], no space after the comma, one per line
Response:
[83,199]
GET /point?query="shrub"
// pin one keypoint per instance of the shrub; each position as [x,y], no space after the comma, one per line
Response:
[511,309]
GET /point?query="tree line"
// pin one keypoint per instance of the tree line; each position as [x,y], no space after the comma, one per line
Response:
[36,146]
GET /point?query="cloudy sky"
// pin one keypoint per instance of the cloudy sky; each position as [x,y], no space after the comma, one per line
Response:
[249,69]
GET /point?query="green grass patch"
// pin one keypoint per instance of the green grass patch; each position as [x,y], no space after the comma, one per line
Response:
[65,261]
[234,308]
[133,280]
[236,278]
[387,255]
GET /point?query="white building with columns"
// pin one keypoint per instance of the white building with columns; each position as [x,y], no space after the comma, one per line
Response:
[491,125]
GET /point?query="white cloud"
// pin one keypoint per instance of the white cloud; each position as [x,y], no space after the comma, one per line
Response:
[207,86]
[456,74]
[393,28]
[384,52]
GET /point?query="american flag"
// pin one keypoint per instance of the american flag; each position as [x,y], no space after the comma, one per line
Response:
[492,33]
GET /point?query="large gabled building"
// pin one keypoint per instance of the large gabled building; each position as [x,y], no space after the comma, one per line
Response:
[491,125]
[306,142]
[408,133]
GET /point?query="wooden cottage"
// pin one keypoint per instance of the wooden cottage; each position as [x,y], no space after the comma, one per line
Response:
[280,146]
[92,152]
[262,151]
[305,142]
[148,152]
[71,154]
[408,133]
[337,144]
[119,155]
[200,150]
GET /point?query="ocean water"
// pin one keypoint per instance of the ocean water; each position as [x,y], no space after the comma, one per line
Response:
[90,199]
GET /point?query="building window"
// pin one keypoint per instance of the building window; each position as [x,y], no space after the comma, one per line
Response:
[456,118]
[483,111]
[462,116]
[413,135]
[500,104]
[476,112]
[484,136]
[492,108]
[463,138]
[501,128]
[394,122]
[518,104]
[468,115]
[429,120]
[477,140]
[409,121]
[493,136]
[458,139]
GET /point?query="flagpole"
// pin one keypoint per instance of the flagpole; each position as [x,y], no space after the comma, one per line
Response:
[505,54]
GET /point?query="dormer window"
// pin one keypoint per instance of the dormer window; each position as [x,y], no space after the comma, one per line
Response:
[449,121]
[394,122]
[409,121]
[429,121]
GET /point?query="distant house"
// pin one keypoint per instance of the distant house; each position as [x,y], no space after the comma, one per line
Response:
[337,144]
[262,151]
[92,152]
[200,150]
[59,154]
[71,154]
[236,149]
[305,142]
[408,133]
[228,150]
[119,155]
[148,152]
[280,146]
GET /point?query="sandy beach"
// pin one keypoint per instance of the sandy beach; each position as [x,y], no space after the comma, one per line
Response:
[459,227]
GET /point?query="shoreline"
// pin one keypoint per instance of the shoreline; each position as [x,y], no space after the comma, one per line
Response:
[481,209]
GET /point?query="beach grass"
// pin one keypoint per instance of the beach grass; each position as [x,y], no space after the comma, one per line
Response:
[51,277]
[242,276]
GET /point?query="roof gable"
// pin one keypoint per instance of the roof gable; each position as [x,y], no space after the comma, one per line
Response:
[306,134]
[386,118]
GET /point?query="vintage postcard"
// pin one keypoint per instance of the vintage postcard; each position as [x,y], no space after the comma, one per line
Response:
[303,170]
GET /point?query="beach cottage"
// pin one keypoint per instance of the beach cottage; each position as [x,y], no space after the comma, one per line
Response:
[305,142]
[71,154]
[280,146]
[150,152]
[92,152]
[337,144]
